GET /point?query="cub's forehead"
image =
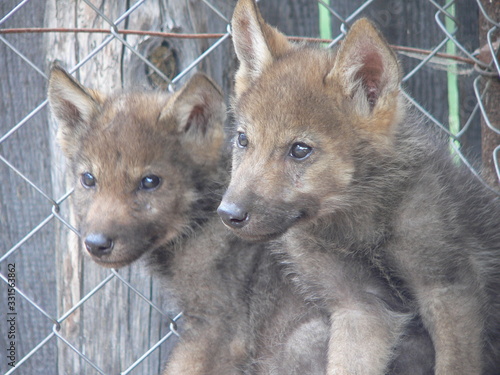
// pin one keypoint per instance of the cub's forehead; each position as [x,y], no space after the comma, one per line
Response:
[124,155]
[132,108]
[296,79]
[134,118]
[288,91]
[128,129]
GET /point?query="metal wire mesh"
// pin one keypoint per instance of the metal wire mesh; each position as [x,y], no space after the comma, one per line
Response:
[479,67]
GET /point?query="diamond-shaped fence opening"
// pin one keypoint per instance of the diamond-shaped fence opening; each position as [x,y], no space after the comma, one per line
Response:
[69,316]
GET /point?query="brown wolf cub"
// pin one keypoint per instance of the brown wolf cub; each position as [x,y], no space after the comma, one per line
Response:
[150,168]
[373,217]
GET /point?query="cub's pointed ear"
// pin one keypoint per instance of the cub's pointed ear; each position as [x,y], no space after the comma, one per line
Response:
[256,43]
[198,111]
[73,106]
[367,69]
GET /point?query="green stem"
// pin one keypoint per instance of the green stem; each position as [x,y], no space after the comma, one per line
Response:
[452,79]
[325,21]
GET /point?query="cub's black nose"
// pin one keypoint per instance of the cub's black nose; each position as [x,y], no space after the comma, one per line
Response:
[98,244]
[233,215]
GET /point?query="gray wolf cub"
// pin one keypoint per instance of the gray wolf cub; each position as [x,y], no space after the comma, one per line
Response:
[149,175]
[376,222]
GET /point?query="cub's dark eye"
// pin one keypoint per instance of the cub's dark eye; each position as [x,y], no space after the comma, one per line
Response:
[150,182]
[300,151]
[242,140]
[88,180]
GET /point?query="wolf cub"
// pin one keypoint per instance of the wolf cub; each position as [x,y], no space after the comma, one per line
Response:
[373,217]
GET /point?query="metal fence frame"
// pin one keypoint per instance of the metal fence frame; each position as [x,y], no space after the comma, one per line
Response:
[483,72]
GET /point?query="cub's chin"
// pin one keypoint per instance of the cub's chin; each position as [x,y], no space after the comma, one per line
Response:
[116,258]
[255,236]
[253,231]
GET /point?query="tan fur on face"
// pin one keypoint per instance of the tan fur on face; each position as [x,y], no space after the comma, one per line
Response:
[271,133]
[125,137]
[357,92]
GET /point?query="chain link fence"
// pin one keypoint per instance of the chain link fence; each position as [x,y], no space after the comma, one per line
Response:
[59,310]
